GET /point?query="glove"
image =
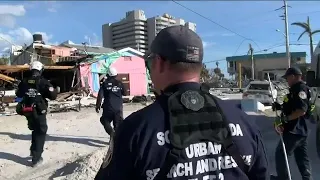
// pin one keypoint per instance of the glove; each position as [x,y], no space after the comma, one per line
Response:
[279,122]
[312,107]
[97,109]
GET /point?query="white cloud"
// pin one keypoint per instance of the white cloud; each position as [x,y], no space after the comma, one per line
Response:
[7,20]
[8,14]
[208,44]
[16,36]
[228,34]
[52,9]
[21,36]
[93,40]
[53,6]
[15,10]
[218,33]
[209,34]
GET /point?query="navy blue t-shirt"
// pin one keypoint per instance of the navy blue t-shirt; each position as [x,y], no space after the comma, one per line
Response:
[112,90]
[141,144]
[299,98]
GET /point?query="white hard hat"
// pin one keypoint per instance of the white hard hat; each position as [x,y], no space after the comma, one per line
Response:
[37,65]
[112,72]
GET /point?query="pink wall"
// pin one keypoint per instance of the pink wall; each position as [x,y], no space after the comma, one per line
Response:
[85,71]
[62,51]
[135,66]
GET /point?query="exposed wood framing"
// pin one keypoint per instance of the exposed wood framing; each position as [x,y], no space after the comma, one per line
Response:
[17,68]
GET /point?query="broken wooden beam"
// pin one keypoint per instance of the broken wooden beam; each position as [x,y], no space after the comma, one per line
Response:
[15,68]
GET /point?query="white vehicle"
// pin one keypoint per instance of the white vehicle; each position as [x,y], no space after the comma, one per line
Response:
[261,91]
[313,81]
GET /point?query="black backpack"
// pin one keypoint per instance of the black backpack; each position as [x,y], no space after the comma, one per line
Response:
[211,127]
[32,102]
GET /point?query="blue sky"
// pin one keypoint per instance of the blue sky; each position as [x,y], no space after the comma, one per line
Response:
[59,21]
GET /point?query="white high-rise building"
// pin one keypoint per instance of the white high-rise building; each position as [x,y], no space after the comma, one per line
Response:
[137,31]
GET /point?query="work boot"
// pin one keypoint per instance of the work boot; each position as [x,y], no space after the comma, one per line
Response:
[36,162]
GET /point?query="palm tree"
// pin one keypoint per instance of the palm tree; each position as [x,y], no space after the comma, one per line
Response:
[204,73]
[307,29]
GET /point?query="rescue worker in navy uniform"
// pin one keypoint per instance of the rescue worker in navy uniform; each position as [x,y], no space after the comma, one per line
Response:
[34,91]
[293,127]
[112,91]
[180,135]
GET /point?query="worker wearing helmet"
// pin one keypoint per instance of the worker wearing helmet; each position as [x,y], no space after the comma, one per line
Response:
[112,91]
[34,90]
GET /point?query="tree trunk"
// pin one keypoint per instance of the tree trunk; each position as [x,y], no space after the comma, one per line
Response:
[311,45]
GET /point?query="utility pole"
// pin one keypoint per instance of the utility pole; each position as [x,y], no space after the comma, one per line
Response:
[285,18]
[252,61]
[287,32]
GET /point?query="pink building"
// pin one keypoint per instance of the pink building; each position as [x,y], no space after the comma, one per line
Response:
[131,71]
[61,51]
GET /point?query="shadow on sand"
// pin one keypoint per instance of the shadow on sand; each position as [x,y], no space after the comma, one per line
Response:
[27,137]
[15,158]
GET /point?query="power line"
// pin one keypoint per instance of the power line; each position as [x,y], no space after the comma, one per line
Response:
[207,62]
[272,47]
[311,12]
[298,44]
[210,20]
[254,15]
[244,38]
[266,49]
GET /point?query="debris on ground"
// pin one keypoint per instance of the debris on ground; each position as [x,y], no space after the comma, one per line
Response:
[84,168]
[72,145]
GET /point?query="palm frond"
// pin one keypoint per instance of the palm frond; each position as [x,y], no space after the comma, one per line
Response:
[302,34]
[315,32]
[302,24]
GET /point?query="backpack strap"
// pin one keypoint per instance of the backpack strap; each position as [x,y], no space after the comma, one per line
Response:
[233,150]
[171,158]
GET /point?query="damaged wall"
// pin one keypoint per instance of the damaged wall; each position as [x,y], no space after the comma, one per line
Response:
[62,78]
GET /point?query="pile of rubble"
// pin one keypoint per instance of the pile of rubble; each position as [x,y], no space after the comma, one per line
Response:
[74,101]
[83,168]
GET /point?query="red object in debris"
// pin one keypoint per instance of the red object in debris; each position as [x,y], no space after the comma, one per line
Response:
[27,109]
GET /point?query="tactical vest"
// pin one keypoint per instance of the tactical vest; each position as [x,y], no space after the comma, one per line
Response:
[112,87]
[310,104]
[288,99]
[195,116]
[32,102]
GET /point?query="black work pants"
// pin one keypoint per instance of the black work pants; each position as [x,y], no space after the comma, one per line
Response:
[109,116]
[296,145]
[38,126]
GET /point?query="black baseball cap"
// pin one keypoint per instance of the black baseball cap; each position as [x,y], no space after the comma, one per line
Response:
[178,44]
[292,71]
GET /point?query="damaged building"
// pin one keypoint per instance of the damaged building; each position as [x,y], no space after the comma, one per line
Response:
[72,67]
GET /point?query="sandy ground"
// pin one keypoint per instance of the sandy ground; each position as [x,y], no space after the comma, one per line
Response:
[76,143]
[70,136]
